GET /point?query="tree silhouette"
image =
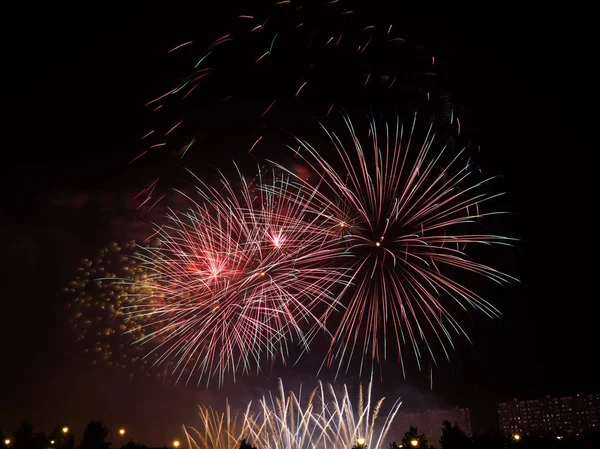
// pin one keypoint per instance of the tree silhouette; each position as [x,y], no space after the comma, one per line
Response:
[453,437]
[25,438]
[39,441]
[94,436]
[62,440]
[245,445]
[132,445]
[413,434]
[490,440]
[394,445]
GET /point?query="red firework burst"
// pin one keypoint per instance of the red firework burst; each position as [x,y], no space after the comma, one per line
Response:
[239,276]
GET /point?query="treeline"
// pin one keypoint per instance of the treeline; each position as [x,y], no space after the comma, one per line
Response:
[94,437]
[453,437]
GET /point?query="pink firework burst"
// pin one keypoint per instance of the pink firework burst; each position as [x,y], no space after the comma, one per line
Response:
[238,277]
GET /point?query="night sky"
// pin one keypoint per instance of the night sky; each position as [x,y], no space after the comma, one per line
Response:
[75,81]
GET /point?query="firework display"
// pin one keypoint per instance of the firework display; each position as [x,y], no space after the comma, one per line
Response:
[367,252]
[361,236]
[322,420]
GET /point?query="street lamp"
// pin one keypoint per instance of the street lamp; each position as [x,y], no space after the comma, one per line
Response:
[51,441]
[122,433]
[516,437]
[176,443]
[7,442]
[360,442]
[65,430]
[414,442]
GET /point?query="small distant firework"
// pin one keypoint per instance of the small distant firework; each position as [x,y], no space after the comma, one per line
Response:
[324,419]
[101,289]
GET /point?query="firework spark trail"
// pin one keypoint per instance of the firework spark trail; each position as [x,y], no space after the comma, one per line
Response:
[179,46]
[406,214]
[241,275]
[312,35]
[323,420]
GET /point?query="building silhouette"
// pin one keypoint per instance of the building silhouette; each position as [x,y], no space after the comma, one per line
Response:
[430,422]
[570,415]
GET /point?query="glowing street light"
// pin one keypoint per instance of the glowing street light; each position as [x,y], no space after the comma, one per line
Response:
[414,442]
[361,441]
[516,437]
[7,442]
[65,430]
[121,432]
[51,441]
[176,443]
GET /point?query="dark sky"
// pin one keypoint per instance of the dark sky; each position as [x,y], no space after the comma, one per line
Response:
[74,84]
